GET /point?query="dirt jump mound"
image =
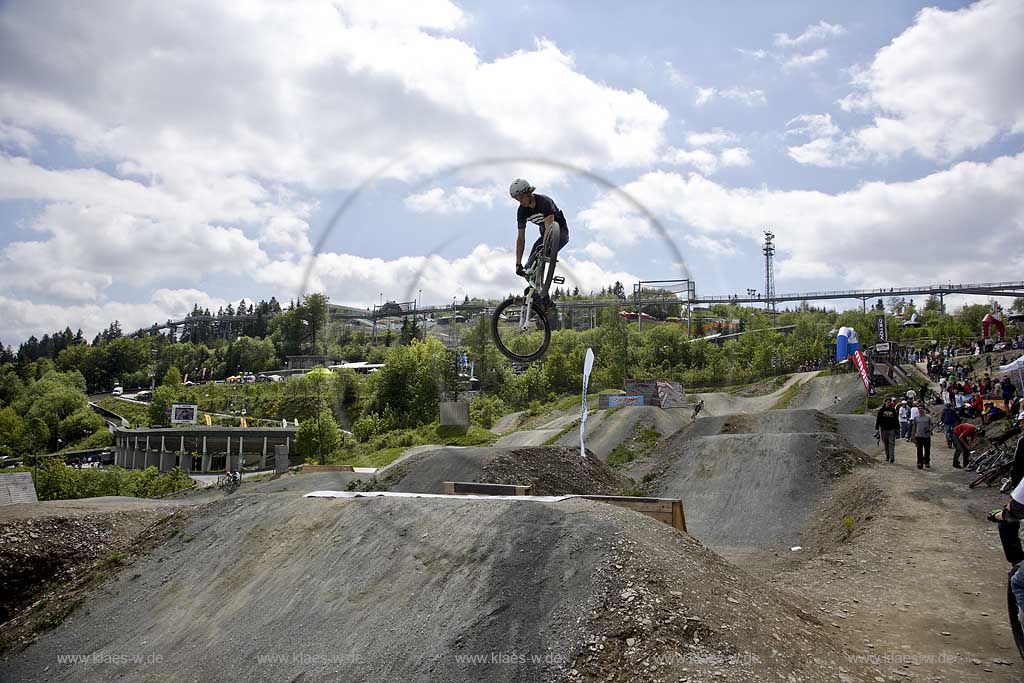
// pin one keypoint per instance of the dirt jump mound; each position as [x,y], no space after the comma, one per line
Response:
[550,470]
[754,480]
[284,588]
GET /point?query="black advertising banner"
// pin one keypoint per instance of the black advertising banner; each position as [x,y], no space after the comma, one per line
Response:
[883,332]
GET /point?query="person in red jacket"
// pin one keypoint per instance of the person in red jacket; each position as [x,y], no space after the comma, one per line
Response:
[964,436]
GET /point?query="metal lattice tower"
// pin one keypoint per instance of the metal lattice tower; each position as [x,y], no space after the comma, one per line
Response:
[769,272]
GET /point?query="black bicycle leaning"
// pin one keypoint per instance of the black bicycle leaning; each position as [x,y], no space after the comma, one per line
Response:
[519,327]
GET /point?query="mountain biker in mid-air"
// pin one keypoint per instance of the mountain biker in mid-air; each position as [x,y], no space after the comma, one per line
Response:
[542,211]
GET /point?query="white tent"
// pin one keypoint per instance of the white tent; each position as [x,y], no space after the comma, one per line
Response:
[1015,366]
[1018,366]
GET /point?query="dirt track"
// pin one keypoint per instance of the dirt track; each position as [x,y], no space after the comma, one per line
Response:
[749,480]
[400,590]
[283,588]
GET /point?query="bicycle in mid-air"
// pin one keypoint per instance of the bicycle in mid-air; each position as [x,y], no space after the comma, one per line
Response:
[520,329]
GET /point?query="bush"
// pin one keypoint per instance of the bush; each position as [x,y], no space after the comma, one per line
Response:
[56,481]
[367,427]
[318,438]
[486,409]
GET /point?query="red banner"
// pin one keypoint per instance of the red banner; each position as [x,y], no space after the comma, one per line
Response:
[862,368]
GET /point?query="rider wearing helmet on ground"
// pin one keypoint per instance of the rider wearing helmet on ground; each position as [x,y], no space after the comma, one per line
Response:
[543,212]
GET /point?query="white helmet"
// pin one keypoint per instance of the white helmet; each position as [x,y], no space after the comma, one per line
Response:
[520,187]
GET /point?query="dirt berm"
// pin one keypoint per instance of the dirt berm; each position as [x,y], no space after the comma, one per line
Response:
[277,587]
[550,470]
[753,480]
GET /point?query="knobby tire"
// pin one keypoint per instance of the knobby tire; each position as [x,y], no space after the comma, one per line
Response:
[508,353]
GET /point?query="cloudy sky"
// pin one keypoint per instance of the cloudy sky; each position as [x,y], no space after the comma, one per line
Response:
[154,155]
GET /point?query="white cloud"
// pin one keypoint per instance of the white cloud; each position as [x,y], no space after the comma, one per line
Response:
[598,251]
[301,93]
[947,85]
[23,318]
[16,139]
[95,229]
[708,161]
[701,159]
[486,271]
[747,97]
[735,156]
[827,147]
[711,245]
[756,54]
[799,61]
[712,138]
[815,32]
[208,127]
[675,76]
[878,234]
[459,200]
[812,125]
[704,95]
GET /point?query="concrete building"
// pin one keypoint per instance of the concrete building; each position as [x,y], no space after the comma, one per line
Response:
[200,449]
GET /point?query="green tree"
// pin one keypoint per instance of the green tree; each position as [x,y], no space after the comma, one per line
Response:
[172,378]
[160,407]
[318,438]
[932,305]
[408,384]
[79,424]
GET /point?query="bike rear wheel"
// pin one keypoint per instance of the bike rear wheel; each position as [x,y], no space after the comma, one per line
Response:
[515,342]
[990,476]
[548,258]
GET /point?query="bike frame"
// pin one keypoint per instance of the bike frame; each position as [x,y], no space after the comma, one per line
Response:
[533,275]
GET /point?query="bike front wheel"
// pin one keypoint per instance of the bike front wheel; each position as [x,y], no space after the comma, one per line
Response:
[518,341]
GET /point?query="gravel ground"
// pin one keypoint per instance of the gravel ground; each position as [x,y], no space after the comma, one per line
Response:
[281,588]
[604,434]
[551,470]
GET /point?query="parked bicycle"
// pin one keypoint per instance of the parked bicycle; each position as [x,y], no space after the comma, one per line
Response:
[520,329]
[229,480]
[993,467]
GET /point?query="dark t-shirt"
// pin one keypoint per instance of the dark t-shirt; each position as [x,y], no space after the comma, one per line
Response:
[545,206]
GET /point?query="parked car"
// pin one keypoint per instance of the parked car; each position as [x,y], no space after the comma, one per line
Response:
[117,391]
[144,396]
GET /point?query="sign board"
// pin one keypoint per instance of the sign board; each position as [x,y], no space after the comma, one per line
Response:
[619,401]
[882,347]
[882,329]
[17,488]
[184,413]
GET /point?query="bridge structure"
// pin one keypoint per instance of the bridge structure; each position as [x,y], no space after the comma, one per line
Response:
[689,297]
[686,296]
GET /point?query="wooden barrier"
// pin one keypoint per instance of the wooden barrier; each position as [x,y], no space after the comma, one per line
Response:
[311,469]
[667,510]
[465,488]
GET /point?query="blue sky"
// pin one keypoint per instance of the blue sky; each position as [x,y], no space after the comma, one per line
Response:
[192,153]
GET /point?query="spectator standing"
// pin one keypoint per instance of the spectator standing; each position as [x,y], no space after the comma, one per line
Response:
[964,436]
[949,419]
[923,427]
[914,412]
[1007,391]
[887,423]
[904,418]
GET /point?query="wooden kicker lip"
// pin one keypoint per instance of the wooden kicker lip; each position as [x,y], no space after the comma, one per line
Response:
[667,510]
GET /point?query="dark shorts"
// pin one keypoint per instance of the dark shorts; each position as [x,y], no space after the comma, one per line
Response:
[535,249]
